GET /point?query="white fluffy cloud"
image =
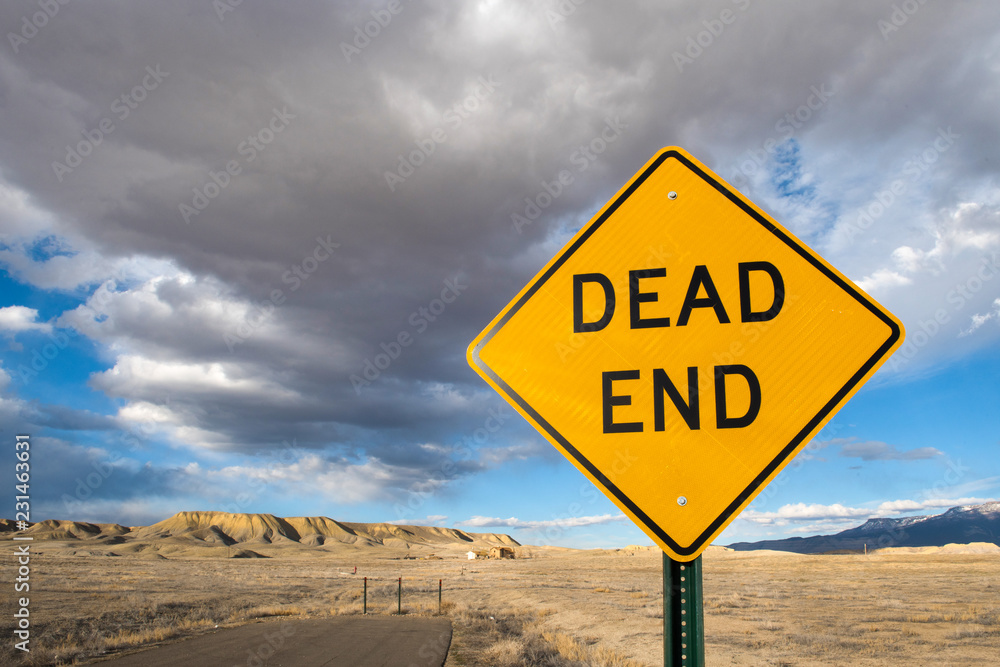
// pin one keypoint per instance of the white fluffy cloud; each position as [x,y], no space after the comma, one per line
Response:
[805,512]
[979,319]
[135,375]
[837,516]
[21,318]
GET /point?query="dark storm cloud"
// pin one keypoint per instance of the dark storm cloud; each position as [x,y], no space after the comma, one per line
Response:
[263,108]
[74,475]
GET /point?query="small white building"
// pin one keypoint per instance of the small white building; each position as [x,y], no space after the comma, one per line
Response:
[471,555]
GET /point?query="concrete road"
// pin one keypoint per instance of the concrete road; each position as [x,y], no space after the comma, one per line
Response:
[344,641]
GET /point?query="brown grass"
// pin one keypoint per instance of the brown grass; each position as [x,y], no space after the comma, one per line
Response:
[519,639]
[560,609]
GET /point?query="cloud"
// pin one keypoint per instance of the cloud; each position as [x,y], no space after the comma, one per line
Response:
[900,506]
[799,512]
[965,488]
[337,480]
[569,522]
[82,480]
[228,333]
[882,279]
[34,414]
[979,320]
[20,318]
[168,334]
[430,520]
[873,450]
[837,516]
[75,476]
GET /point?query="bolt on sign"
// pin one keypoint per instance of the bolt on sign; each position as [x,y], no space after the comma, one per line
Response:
[682,348]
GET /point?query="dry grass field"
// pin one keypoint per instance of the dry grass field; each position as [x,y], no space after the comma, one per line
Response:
[558,607]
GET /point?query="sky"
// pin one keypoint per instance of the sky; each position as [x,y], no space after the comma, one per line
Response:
[244,245]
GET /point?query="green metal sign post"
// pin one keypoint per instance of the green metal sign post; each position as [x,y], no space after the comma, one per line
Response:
[683,615]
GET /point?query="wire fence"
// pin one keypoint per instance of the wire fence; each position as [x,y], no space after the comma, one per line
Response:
[378,595]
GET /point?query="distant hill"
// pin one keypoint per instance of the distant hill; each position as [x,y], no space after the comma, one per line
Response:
[188,533]
[959,525]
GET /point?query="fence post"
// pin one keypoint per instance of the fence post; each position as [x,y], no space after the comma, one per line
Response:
[399,597]
[439,596]
[366,596]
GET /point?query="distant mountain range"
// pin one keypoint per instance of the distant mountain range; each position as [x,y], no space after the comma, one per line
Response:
[195,533]
[959,525]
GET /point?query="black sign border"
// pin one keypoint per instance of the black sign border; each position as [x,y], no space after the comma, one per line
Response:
[787,450]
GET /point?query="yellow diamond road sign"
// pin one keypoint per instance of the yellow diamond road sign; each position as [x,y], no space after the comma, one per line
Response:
[682,348]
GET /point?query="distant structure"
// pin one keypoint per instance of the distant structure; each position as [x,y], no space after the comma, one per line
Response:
[494,553]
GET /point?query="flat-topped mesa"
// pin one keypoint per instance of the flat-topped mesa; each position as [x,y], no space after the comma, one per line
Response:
[265,528]
[233,528]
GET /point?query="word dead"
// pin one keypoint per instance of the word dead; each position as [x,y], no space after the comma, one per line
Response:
[761,280]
